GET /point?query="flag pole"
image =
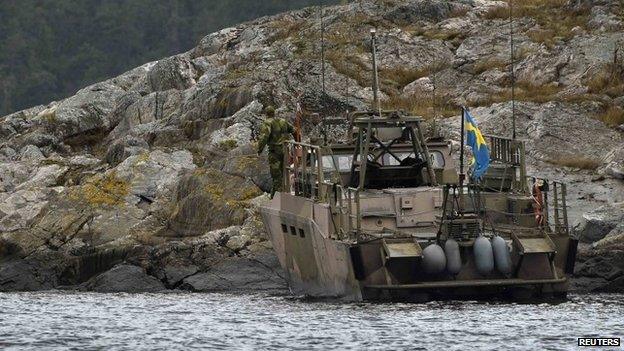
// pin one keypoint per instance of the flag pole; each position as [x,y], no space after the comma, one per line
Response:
[462,176]
[461,148]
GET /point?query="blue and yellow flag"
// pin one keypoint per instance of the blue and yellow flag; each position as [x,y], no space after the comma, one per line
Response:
[480,151]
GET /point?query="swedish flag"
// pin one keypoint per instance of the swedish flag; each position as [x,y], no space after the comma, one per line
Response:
[480,151]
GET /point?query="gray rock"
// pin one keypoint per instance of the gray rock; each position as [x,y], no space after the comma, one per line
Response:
[21,207]
[25,275]
[239,274]
[31,153]
[40,139]
[125,278]
[175,72]
[418,10]
[212,191]
[13,174]
[239,242]
[44,176]
[596,224]
[213,43]
[615,163]
[153,174]
[124,148]
[147,110]
[603,20]
[175,274]
[7,153]
[85,112]
[599,271]
[419,86]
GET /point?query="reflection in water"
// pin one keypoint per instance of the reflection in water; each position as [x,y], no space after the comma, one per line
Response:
[59,320]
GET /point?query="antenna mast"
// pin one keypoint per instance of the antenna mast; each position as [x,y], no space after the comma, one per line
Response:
[322,50]
[433,102]
[513,77]
[324,126]
[376,105]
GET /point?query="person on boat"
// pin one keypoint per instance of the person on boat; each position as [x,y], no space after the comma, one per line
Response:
[275,131]
[538,202]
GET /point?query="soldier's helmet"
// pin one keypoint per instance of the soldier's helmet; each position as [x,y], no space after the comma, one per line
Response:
[269,111]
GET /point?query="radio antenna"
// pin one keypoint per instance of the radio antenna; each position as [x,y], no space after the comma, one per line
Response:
[376,105]
[513,76]
[322,49]
[322,25]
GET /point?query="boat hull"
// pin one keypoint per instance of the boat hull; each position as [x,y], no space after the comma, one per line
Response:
[318,265]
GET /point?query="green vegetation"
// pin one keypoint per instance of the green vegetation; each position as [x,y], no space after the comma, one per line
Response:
[228,144]
[554,18]
[49,49]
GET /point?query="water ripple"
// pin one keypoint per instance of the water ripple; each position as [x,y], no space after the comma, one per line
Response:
[89,321]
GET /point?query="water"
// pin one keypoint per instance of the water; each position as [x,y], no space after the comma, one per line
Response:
[87,321]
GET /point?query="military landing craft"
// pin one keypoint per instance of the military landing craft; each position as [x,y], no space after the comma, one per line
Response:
[386,215]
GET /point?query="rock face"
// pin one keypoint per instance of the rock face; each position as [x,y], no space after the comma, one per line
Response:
[125,278]
[156,169]
[600,263]
[597,223]
[251,274]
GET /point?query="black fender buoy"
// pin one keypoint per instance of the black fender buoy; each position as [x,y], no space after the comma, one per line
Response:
[453,257]
[502,257]
[434,260]
[484,257]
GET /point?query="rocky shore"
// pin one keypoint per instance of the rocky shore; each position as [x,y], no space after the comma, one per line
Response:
[149,181]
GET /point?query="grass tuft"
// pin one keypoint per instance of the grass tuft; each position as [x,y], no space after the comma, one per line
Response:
[488,64]
[399,77]
[613,116]
[350,66]
[554,18]
[580,162]
[524,91]
[609,80]
[419,105]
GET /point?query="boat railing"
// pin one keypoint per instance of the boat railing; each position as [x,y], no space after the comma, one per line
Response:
[305,176]
[511,153]
[303,170]
[550,202]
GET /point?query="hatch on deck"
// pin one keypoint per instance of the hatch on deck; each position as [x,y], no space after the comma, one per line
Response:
[534,244]
[408,249]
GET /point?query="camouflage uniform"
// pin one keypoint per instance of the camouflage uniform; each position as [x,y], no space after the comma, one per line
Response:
[274,133]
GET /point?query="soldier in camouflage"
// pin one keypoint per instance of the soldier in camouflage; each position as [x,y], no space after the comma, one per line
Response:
[274,133]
